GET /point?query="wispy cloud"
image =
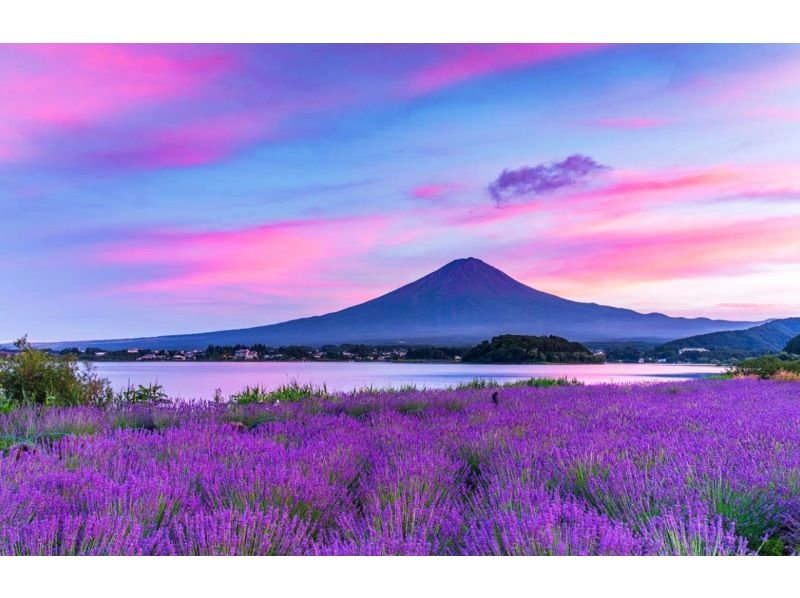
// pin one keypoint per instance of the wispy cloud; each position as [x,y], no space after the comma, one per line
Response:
[631,122]
[459,63]
[531,181]
[274,259]
[434,190]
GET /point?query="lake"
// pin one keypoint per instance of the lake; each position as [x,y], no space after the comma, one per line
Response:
[199,379]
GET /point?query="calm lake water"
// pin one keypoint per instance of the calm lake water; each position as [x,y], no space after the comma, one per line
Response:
[199,379]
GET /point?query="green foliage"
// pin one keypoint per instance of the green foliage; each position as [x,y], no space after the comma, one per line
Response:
[6,403]
[515,348]
[770,366]
[250,395]
[477,384]
[244,415]
[772,546]
[793,346]
[34,377]
[152,393]
[766,338]
[624,351]
[481,384]
[358,411]
[756,516]
[544,382]
[374,390]
[287,393]
[412,407]
[433,353]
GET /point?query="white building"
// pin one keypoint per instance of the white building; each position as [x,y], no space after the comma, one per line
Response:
[245,354]
[691,349]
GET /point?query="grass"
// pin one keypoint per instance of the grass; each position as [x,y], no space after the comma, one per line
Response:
[770,367]
[482,383]
[292,392]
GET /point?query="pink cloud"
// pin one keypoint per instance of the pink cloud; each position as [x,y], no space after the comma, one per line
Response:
[631,122]
[775,113]
[165,106]
[460,63]
[191,143]
[285,259]
[73,84]
[631,256]
[754,85]
[52,90]
[434,190]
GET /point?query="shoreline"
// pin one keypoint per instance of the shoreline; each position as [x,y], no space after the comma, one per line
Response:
[396,362]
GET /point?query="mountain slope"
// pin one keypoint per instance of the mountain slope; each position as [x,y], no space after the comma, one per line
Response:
[463,302]
[770,337]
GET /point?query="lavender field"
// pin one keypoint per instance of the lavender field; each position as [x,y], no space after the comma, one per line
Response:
[698,468]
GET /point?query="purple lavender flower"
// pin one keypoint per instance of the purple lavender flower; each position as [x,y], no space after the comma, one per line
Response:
[705,467]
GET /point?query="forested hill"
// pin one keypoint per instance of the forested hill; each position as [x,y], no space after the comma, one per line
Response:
[515,348]
[770,337]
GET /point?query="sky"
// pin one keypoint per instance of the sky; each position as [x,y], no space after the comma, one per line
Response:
[150,190]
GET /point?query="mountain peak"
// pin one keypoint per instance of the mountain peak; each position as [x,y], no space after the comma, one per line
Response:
[471,266]
[467,276]
[465,261]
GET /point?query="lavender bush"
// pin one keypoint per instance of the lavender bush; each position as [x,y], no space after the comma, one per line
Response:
[697,468]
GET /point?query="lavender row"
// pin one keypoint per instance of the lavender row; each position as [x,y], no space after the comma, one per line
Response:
[706,468]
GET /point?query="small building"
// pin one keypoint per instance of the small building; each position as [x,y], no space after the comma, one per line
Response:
[245,354]
[692,349]
[150,357]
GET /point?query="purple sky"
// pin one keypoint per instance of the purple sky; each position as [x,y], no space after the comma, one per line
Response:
[165,189]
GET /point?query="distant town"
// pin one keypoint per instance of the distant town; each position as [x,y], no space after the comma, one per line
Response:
[263,353]
[510,352]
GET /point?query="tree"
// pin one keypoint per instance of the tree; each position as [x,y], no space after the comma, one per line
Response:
[517,348]
[34,377]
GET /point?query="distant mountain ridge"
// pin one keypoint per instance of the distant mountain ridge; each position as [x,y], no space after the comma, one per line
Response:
[769,337]
[464,302]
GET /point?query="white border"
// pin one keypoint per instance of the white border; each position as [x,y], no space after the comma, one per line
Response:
[353,577]
[407,21]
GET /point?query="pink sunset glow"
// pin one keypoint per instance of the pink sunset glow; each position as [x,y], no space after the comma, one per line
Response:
[259,183]
[434,190]
[462,63]
[632,122]
[271,258]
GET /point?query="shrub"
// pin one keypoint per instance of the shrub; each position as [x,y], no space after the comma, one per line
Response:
[287,393]
[483,384]
[34,377]
[477,384]
[544,382]
[152,393]
[768,367]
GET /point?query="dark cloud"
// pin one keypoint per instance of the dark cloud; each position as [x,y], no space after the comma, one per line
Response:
[530,181]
